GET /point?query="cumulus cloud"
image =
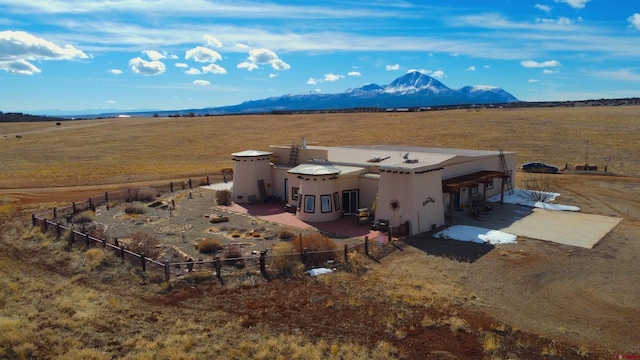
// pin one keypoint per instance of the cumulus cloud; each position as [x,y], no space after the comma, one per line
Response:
[18,48]
[332,77]
[393,67]
[354,73]
[193,71]
[312,81]
[115,71]
[154,55]
[263,57]
[212,41]
[547,72]
[545,8]
[111,101]
[634,20]
[214,69]
[438,74]
[181,65]
[201,82]
[146,68]
[535,64]
[471,68]
[576,4]
[203,54]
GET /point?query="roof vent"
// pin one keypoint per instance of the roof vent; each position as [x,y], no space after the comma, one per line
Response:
[405,156]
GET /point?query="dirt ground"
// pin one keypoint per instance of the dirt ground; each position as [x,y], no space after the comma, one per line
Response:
[582,297]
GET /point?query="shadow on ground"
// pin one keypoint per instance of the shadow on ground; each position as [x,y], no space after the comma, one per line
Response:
[462,251]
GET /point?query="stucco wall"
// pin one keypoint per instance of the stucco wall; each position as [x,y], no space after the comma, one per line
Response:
[317,187]
[246,174]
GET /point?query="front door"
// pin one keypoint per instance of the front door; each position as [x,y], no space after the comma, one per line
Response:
[350,202]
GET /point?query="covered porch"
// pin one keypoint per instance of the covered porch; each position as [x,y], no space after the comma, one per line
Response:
[454,186]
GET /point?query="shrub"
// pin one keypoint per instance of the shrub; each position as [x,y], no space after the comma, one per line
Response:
[223,197]
[286,234]
[284,262]
[94,258]
[356,262]
[144,194]
[134,210]
[234,255]
[319,248]
[209,246]
[84,217]
[541,187]
[143,243]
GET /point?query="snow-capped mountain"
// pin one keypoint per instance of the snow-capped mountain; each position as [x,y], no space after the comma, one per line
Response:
[413,89]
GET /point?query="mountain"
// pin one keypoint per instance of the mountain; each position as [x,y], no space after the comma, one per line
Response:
[413,89]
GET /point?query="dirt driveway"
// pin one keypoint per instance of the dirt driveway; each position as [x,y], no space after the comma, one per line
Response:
[585,296]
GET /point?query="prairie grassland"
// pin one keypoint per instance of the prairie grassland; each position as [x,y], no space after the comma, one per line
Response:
[140,149]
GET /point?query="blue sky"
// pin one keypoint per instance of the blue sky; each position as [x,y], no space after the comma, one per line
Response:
[75,55]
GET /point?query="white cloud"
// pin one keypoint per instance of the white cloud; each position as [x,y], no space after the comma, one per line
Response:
[535,64]
[115,71]
[212,41]
[181,65]
[201,82]
[622,74]
[531,81]
[487,66]
[471,68]
[146,68]
[111,101]
[546,8]
[271,76]
[634,20]
[193,71]
[548,72]
[22,67]
[312,81]
[559,21]
[202,54]
[154,55]
[576,4]
[438,74]
[263,57]
[18,48]
[214,69]
[354,73]
[332,77]
[393,67]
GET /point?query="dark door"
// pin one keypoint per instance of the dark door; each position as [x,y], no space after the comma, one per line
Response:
[350,201]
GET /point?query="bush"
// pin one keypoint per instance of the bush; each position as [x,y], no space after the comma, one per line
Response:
[144,194]
[94,259]
[540,187]
[284,262]
[223,197]
[84,217]
[316,242]
[209,246]
[286,234]
[134,210]
[143,243]
[234,256]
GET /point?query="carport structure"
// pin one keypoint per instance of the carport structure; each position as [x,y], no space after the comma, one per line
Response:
[454,185]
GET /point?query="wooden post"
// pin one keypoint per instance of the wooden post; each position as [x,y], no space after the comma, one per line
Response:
[218,274]
[346,251]
[106,197]
[390,235]
[46,224]
[167,271]
[104,243]
[86,240]
[502,192]
[171,186]
[55,213]
[91,205]
[122,253]
[263,265]
[304,256]
[58,231]
[33,219]
[190,187]
[209,183]
[73,205]
[143,260]
[366,245]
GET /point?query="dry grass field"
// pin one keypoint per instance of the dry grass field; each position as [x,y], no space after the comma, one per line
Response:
[549,301]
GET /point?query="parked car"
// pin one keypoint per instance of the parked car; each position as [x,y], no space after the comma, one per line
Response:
[539,167]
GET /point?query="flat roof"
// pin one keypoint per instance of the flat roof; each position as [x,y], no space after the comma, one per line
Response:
[252,153]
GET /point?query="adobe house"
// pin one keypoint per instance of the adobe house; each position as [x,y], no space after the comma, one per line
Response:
[423,186]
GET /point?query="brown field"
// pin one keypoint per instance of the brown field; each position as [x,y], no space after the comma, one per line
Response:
[530,300]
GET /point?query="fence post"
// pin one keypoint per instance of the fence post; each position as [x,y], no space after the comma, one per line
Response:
[104,243]
[91,207]
[55,213]
[390,236]
[122,253]
[167,271]
[106,197]
[263,265]
[190,187]
[346,251]
[86,240]
[33,219]
[58,230]
[366,245]
[218,274]
[46,225]
[304,256]
[209,183]
[171,186]
[143,260]
[73,205]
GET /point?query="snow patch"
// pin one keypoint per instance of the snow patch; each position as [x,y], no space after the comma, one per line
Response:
[527,198]
[476,235]
[318,271]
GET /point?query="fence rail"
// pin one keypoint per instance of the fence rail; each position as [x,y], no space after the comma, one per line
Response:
[56,226]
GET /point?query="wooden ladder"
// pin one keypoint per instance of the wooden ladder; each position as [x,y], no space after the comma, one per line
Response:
[507,171]
[293,155]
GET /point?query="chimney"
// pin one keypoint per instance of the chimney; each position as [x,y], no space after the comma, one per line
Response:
[304,142]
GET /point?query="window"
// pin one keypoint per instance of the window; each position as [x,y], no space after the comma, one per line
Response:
[309,203]
[336,201]
[489,185]
[474,190]
[294,193]
[325,202]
